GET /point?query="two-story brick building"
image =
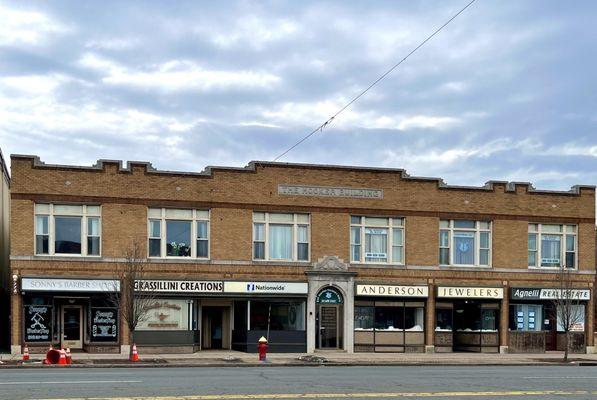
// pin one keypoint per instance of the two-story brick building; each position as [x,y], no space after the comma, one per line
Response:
[314,256]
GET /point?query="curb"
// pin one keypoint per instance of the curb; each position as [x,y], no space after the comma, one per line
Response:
[299,364]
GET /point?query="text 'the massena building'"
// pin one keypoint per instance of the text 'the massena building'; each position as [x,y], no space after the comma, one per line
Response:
[323,257]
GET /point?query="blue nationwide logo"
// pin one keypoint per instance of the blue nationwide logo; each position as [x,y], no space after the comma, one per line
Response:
[250,287]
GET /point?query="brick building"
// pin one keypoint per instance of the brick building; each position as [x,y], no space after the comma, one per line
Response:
[5,278]
[315,256]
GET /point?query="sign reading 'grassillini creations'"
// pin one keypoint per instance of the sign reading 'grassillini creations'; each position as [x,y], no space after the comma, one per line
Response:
[330,191]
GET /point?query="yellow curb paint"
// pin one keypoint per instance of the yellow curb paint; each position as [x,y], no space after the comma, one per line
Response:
[266,396]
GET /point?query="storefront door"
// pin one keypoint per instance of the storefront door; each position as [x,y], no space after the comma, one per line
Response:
[328,330]
[213,327]
[72,328]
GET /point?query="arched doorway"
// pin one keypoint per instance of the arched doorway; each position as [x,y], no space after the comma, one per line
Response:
[329,318]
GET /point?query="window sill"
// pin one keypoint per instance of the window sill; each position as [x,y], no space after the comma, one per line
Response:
[283,262]
[552,269]
[182,260]
[376,265]
[464,266]
[65,257]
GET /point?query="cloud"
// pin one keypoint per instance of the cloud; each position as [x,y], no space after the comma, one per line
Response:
[496,95]
[24,27]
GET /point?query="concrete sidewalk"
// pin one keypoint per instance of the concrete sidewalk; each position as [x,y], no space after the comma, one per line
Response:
[238,359]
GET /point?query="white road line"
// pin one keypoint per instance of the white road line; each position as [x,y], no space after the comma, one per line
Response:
[559,377]
[68,382]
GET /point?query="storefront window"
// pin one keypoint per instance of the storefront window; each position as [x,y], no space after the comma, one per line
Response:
[474,317]
[166,314]
[526,317]
[575,316]
[389,318]
[443,320]
[364,318]
[282,316]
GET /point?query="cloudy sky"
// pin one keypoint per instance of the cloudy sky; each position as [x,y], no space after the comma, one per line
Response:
[507,91]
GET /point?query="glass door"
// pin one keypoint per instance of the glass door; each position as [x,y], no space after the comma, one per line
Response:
[328,329]
[72,328]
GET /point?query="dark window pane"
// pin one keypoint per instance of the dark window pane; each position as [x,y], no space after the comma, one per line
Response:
[41,244]
[444,256]
[68,235]
[282,316]
[154,247]
[259,250]
[460,223]
[93,246]
[443,320]
[303,251]
[178,238]
[389,318]
[202,246]
[364,317]
[570,260]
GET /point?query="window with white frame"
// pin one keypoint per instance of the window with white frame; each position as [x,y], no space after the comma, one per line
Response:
[67,229]
[280,236]
[178,233]
[552,245]
[465,242]
[376,240]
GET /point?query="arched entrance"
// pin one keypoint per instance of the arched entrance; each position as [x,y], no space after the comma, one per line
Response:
[330,319]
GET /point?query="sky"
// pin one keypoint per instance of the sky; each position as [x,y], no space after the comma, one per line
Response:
[508,91]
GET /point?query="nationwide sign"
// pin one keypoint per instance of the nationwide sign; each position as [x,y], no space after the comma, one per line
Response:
[151,285]
[549,294]
[392,291]
[470,292]
[330,191]
[69,285]
[267,287]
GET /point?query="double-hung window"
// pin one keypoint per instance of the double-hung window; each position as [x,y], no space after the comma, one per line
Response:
[464,242]
[178,233]
[376,240]
[552,246]
[66,229]
[278,236]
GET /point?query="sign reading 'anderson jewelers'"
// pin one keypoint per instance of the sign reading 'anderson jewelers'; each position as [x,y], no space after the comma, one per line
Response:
[470,292]
[330,191]
[392,291]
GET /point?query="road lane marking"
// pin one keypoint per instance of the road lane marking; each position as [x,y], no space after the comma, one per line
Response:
[68,382]
[349,395]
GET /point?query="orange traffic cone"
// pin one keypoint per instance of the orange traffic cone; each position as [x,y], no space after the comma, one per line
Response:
[62,357]
[69,357]
[26,353]
[134,354]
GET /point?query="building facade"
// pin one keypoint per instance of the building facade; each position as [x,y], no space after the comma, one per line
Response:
[314,257]
[5,278]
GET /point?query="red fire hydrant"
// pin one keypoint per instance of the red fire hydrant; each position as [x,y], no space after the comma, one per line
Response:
[262,348]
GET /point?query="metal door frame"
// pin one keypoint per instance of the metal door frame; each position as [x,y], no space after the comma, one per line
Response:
[75,344]
[337,307]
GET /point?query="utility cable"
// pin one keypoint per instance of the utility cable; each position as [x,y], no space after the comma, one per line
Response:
[329,120]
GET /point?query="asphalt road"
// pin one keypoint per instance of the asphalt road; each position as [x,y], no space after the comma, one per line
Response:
[434,382]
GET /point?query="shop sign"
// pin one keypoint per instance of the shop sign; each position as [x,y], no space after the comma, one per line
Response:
[392,291]
[549,294]
[151,285]
[69,285]
[330,191]
[38,323]
[104,324]
[266,287]
[470,292]
[329,296]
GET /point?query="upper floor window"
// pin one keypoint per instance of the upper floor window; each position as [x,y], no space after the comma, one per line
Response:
[64,229]
[278,236]
[552,246]
[377,239]
[178,233]
[464,242]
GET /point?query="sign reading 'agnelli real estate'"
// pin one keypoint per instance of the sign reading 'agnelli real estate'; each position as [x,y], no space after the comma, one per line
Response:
[330,191]
[549,294]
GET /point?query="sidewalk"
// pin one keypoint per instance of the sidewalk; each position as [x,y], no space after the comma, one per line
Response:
[239,359]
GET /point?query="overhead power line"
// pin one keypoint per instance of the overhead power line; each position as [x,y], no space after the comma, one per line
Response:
[361,94]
